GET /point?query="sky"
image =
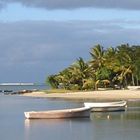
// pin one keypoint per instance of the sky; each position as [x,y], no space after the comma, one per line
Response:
[42,37]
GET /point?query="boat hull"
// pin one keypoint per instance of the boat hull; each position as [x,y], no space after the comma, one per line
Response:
[59,114]
[107,106]
[108,109]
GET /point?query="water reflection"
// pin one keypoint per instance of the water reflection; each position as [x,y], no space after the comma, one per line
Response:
[35,128]
[129,114]
[98,126]
[101,125]
[56,128]
[48,122]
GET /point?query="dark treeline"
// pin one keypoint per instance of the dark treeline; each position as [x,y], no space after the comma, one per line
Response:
[111,67]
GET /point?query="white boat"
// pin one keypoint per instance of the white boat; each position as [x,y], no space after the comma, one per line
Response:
[59,114]
[107,106]
[133,87]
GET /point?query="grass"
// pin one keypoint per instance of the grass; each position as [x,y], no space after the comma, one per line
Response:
[58,91]
[62,91]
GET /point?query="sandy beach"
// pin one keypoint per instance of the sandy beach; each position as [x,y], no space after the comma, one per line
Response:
[91,95]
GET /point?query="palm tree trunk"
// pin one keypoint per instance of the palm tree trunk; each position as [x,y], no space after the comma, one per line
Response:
[96,84]
[133,80]
[137,81]
[125,78]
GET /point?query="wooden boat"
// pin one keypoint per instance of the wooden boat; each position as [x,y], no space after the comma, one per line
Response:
[104,104]
[107,106]
[133,87]
[59,114]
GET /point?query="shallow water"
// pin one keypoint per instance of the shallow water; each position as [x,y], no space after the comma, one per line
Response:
[14,88]
[100,126]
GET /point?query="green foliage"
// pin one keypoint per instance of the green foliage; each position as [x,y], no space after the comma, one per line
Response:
[107,67]
[52,81]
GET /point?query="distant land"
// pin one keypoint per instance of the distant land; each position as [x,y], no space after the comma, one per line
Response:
[17,84]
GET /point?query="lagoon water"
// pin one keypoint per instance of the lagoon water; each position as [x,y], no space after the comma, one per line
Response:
[14,88]
[100,126]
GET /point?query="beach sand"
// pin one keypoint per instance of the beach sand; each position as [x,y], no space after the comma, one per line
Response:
[91,95]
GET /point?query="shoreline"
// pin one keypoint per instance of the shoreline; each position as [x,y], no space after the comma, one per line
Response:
[90,95]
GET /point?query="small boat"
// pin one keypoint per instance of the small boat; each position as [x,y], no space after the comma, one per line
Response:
[133,87]
[107,106]
[59,114]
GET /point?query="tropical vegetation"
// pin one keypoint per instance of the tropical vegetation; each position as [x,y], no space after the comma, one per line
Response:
[107,68]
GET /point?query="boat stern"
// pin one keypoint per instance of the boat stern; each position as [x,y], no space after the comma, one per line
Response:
[27,115]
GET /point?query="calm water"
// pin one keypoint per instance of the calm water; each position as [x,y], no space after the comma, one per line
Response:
[21,87]
[100,126]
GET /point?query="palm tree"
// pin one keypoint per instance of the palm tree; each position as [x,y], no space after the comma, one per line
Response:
[97,54]
[102,73]
[120,65]
[126,64]
[137,71]
[63,78]
[111,61]
[53,82]
[136,63]
[80,70]
[73,76]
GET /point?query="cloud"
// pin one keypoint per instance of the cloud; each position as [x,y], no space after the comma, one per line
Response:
[32,49]
[73,4]
[2,4]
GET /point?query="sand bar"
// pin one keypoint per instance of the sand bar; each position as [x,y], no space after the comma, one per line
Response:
[92,95]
